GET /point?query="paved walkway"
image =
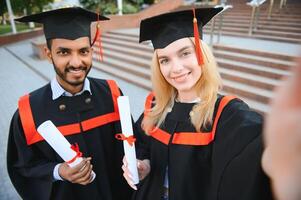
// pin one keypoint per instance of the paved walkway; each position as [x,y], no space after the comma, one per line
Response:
[21,72]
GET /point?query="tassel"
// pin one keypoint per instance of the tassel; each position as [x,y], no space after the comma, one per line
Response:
[98,38]
[198,49]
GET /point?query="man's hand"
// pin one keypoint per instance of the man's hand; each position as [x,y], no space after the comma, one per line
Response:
[80,174]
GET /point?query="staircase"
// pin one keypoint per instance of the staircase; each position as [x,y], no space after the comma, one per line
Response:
[284,24]
[249,74]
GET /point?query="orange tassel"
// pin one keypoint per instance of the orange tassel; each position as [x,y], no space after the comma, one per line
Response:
[198,48]
[98,38]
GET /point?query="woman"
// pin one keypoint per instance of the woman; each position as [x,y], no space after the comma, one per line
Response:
[192,142]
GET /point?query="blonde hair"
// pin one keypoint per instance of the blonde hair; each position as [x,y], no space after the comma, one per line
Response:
[207,88]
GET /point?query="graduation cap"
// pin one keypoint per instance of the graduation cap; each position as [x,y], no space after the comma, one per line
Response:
[166,28]
[67,23]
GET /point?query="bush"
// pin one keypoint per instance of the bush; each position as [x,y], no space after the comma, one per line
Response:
[129,8]
[109,8]
[7,28]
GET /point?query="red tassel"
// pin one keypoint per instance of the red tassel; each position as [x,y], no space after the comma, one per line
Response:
[198,48]
[98,38]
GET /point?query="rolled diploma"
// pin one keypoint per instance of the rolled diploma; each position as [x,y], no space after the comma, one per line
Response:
[127,130]
[59,143]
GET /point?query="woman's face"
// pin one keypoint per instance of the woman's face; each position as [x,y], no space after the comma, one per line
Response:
[179,65]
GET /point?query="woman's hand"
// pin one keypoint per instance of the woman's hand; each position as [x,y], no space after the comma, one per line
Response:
[143,167]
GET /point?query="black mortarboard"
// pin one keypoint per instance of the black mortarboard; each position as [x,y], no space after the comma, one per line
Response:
[166,28]
[67,23]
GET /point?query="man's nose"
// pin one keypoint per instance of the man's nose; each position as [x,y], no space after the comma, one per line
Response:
[75,61]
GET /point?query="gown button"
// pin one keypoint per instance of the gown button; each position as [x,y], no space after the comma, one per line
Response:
[62,107]
[88,100]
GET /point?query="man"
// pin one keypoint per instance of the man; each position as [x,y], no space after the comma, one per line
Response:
[281,159]
[84,110]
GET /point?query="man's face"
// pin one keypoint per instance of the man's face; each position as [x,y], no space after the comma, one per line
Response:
[72,61]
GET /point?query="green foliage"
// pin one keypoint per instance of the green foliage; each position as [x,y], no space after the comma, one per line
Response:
[31,6]
[3,8]
[91,4]
[7,28]
[109,8]
[148,1]
[129,8]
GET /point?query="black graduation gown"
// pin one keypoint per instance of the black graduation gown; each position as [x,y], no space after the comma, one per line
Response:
[226,169]
[30,167]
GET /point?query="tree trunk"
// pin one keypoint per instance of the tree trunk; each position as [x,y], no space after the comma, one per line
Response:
[3,19]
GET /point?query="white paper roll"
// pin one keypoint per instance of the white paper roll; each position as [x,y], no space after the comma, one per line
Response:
[127,130]
[59,143]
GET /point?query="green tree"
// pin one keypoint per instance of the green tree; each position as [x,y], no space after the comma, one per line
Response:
[110,6]
[3,8]
[31,6]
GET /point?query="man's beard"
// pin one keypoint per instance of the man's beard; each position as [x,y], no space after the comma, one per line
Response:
[63,75]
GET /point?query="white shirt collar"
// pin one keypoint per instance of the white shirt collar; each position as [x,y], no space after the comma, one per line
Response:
[58,91]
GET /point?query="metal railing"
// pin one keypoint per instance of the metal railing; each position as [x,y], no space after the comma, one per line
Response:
[282,3]
[220,25]
[270,10]
[255,4]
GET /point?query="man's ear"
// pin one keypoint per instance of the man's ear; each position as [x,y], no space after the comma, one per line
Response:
[48,54]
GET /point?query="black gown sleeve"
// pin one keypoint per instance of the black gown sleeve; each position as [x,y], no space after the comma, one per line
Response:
[29,171]
[143,141]
[237,155]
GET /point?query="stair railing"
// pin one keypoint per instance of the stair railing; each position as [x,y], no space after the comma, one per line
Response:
[220,25]
[270,9]
[282,3]
[255,4]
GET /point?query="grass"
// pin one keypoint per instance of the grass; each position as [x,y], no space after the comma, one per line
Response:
[7,28]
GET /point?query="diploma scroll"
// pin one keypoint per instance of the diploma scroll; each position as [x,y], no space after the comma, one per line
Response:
[127,132]
[60,144]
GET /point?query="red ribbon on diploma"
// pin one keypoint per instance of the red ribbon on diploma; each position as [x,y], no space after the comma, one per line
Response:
[131,139]
[78,153]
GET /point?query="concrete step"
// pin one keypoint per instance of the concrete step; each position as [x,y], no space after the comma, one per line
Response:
[267,26]
[258,31]
[266,72]
[247,91]
[114,70]
[141,57]
[264,14]
[257,36]
[116,32]
[247,17]
[254,52]
[254,59]
[128,44]
[278,33]
[243,30]
[249,79]
[128,51]
[276,38]
[126,37]
[124,63]
[260,22]
[272,27]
